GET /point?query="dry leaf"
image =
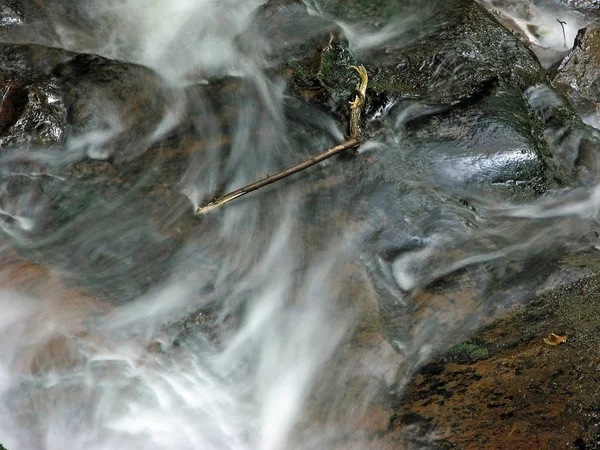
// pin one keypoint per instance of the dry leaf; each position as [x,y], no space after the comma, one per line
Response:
[555,339]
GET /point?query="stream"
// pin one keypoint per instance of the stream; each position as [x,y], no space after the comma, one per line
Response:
[293,317]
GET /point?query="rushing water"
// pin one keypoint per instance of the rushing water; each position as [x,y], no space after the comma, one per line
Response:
[274,302]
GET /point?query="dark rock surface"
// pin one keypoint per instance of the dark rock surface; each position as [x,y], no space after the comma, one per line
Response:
[33,110]
[124,102]
[55,97]
[20,18]
[577,76]
[76,25]
[582,5]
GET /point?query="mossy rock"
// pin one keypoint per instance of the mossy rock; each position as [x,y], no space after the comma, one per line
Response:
[467,353]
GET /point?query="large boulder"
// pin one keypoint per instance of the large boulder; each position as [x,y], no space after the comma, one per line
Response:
[452,90]
[60,113]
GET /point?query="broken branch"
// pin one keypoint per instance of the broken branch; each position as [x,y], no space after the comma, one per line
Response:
[271,179]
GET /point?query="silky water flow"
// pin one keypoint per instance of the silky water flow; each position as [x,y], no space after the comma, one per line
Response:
[244,337]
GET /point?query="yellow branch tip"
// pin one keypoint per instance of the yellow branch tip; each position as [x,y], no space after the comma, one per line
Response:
[361,88]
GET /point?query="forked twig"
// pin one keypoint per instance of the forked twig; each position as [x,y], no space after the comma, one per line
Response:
[562,25]
[352,142]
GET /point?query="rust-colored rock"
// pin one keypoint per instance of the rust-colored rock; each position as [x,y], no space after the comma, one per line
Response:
[511,390]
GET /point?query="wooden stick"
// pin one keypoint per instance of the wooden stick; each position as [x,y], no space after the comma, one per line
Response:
[351,143]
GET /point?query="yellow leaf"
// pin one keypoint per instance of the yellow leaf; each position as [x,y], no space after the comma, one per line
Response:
[555,339]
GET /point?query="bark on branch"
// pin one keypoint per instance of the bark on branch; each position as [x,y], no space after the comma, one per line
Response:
[273,178]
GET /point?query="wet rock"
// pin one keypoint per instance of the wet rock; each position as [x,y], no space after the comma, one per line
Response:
[12,13]
[375,13]
[61,111]
[74,25]
[574,144]
[470,107]
[24,22]
[522,390]
[32,110]
[116,107]
[546,27]
[584,6]
[54,196]
[453,90]
[540,18]
[520,8]
[47,304]
[96,106]
[483,145]
[282,30]
[469,50]
[41,119]
[460,110]
[454,107]
[461,136]
[577,75]
[58,110]
[24,63]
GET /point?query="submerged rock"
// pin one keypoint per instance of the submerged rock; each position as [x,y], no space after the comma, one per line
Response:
[460,117]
